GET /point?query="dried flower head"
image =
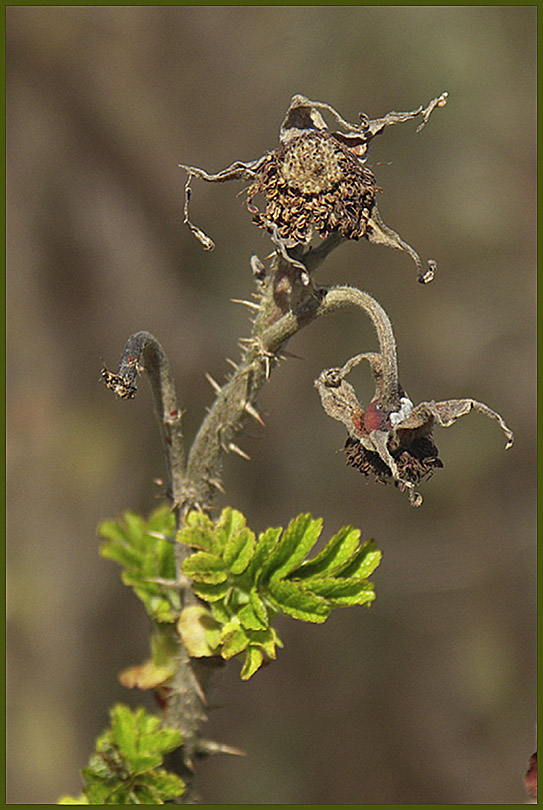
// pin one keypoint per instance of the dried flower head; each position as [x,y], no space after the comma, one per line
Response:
[316,183]
[392,443]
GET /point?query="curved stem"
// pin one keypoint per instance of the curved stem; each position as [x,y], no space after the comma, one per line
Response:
[143,353]
[335,300]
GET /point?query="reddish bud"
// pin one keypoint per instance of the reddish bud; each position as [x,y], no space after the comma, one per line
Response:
[374,418]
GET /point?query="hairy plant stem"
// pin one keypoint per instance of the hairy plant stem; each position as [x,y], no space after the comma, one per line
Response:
[286,305]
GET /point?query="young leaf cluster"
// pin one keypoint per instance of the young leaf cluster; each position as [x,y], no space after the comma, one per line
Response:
[247,581]
[136,544]
[125,767]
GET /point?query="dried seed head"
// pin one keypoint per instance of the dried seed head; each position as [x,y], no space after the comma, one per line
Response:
[314,183]
[311,165]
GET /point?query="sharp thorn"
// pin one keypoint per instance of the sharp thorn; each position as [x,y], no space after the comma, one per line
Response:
[285,354]
[231,362]
[214,384]
[250,304]
[217,485]
[235,449]
[251,410]
[212,747]
[199,690]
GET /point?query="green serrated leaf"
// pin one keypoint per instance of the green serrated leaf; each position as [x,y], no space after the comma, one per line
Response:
[165,560]
[336,553]
[133,528]
[167,785]
[124,768]
[123,729]
[230,523]
[254,615]
[266,640]
[254,659]
[291,599]
[198,531]
[213,638]
[157,603]
[364,562]
[211,593]
[259,607]
[343,591]
[267,542]
[98,792]
[298,538]
[238,551]
[222,614]
[234,640]
[249,619]
[141,763]
[122,794]
[112,530]
[122,553]
[163,740]
[146,723]
[162,521]
[205,567]
[144,557]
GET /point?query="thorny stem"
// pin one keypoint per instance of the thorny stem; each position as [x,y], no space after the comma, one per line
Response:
[194,483]
[238,396]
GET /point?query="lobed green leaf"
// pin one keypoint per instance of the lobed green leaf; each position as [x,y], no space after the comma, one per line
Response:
[145,557]
[343,591]
[124,768]
[336,554]
[291,599]
[254,658]
[234,640]
[123,729]
[266,543]
[250,620]
[363,563]
[230,524]
[167,785]
[211,593]
[198,531]
[266,640]
[205,567]
[298,538]
[122,553]
[247,582]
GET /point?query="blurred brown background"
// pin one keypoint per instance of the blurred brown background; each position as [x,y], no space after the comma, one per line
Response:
[429,697]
